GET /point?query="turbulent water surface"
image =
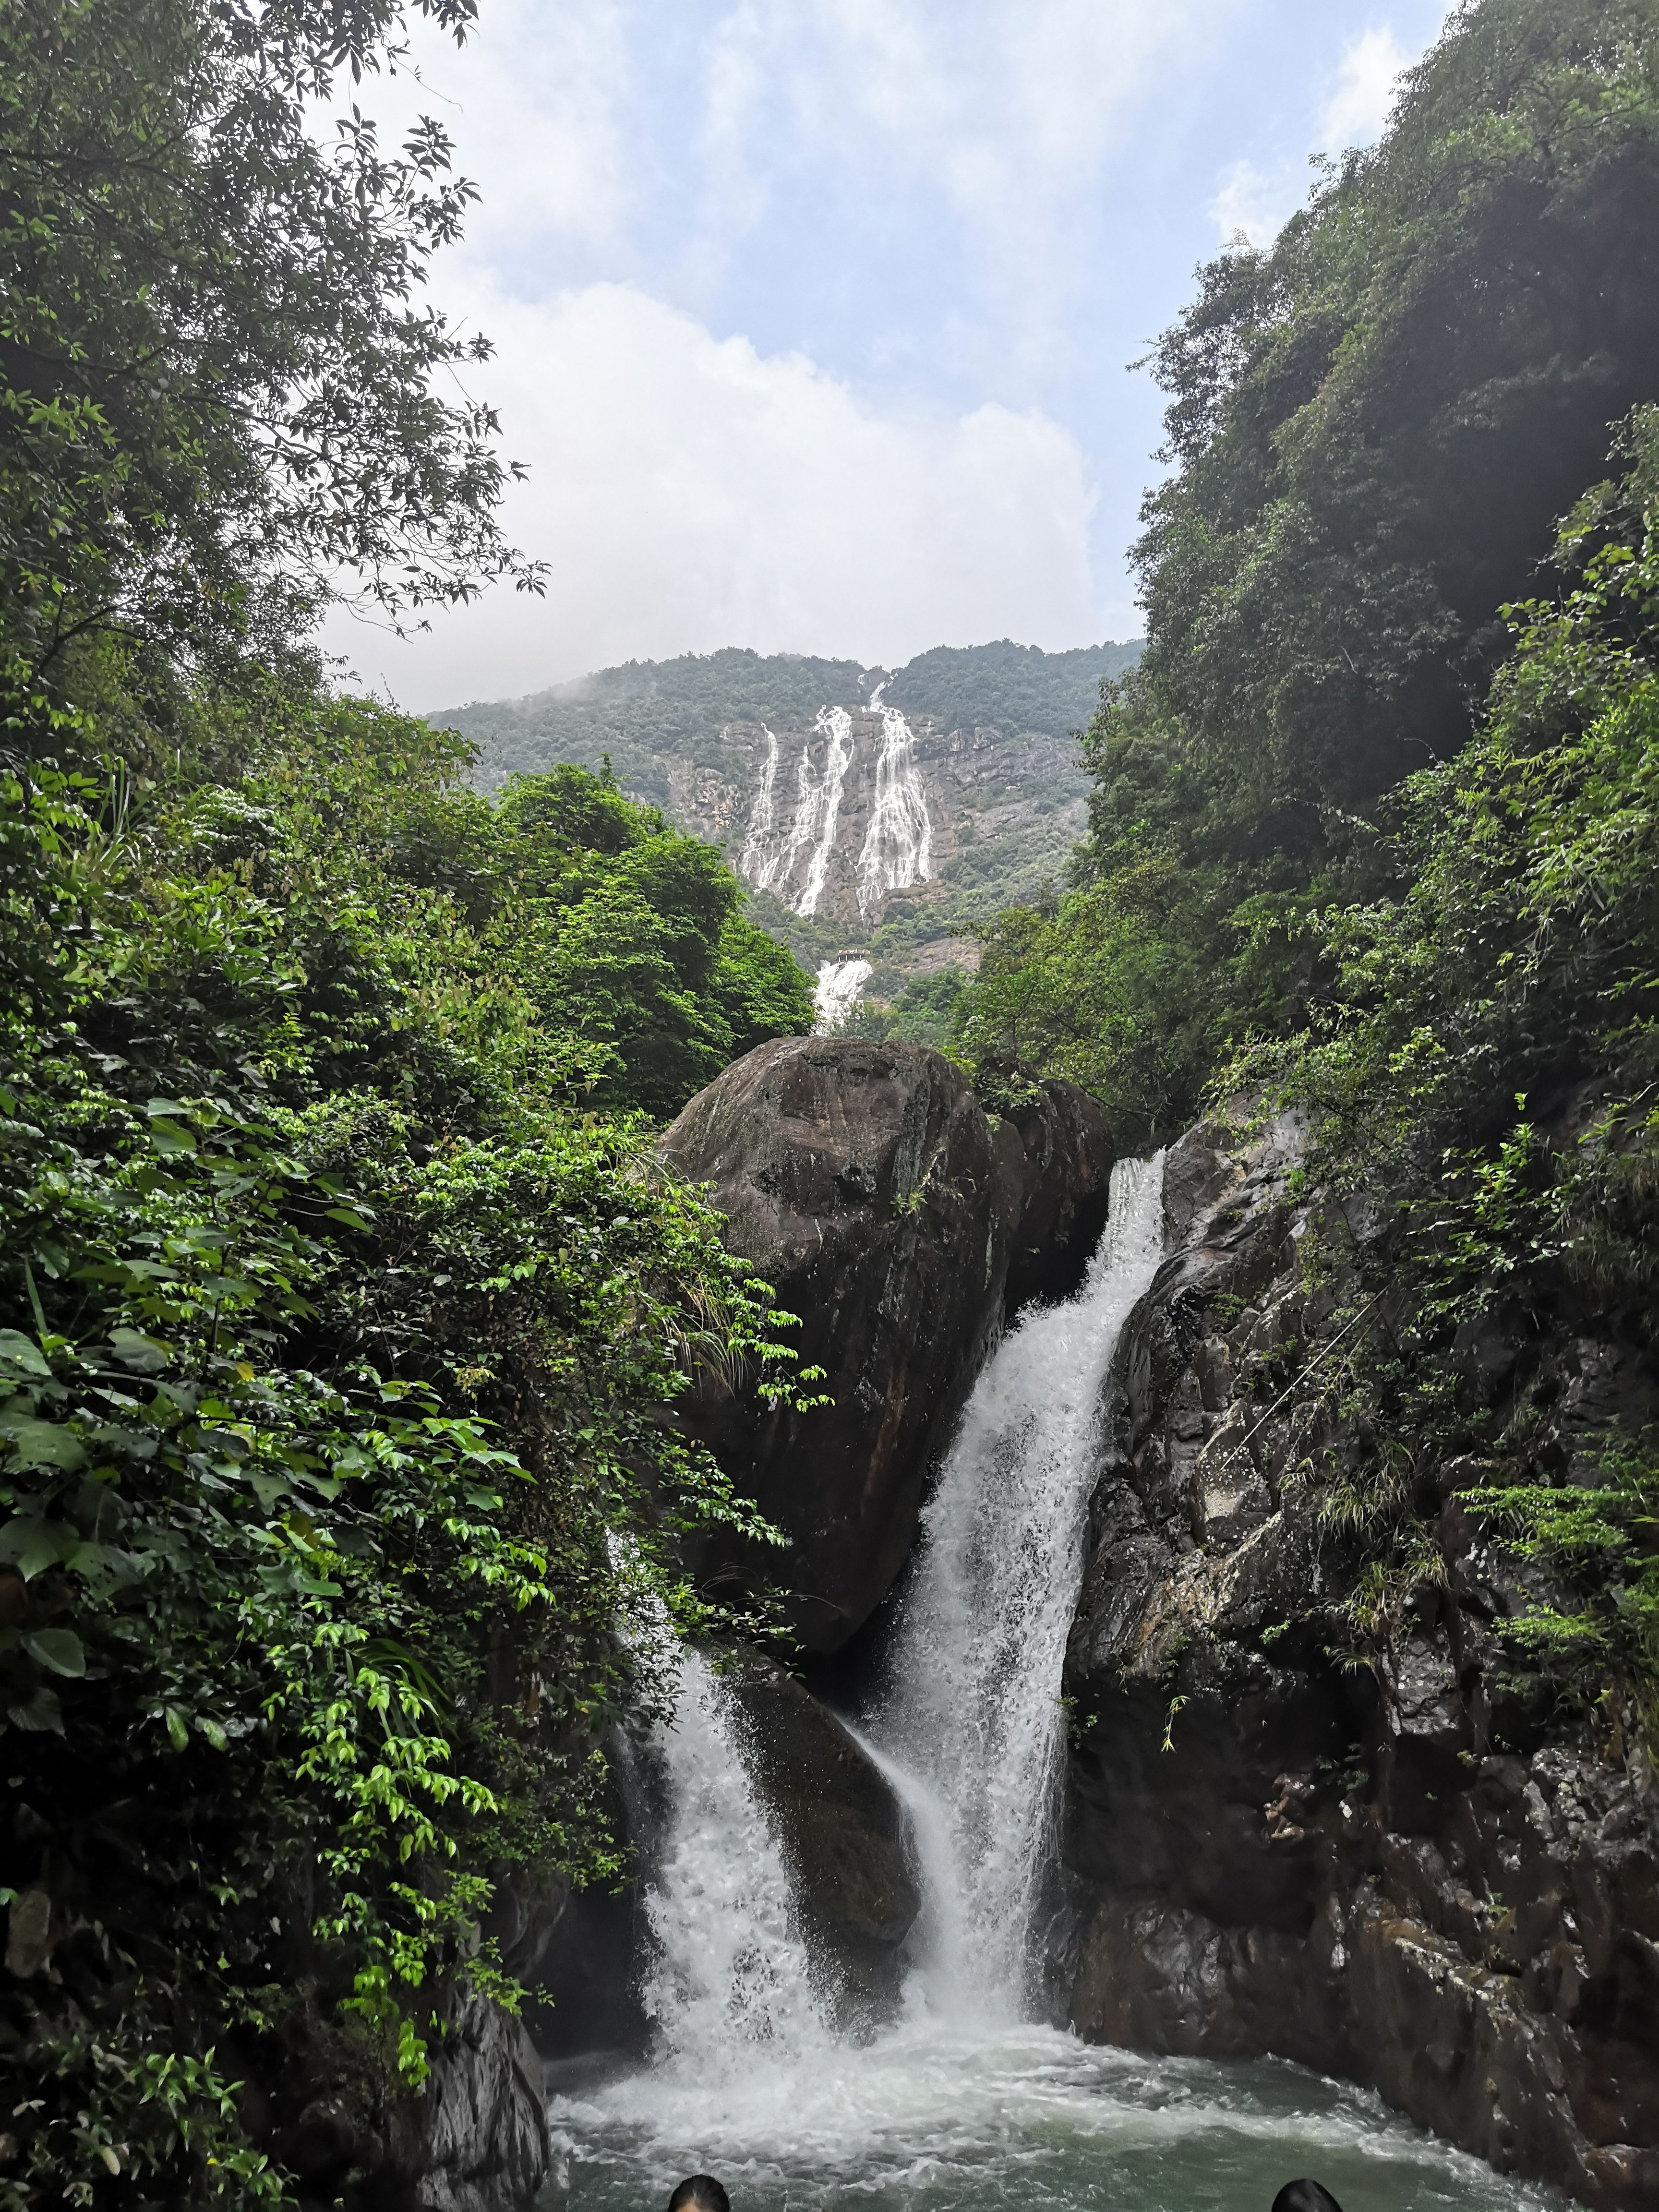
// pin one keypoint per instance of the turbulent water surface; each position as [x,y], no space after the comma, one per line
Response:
[964,2102]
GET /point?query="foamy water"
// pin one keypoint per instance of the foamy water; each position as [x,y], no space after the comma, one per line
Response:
[963,2104]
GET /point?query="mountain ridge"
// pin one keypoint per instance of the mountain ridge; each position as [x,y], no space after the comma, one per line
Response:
[977,740]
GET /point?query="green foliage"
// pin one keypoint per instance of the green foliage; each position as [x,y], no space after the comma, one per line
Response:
[1008,688]
[1489,1059]
[630,936]
[342,1498]
[1374,424]
[1602,1540]
[919,1010]
[217,386]
[647,718]
[336,1358]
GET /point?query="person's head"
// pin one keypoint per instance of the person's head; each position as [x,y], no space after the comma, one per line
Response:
[700,2192]
[1305,2197]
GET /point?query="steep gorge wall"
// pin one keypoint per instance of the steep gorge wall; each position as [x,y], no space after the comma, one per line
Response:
[1398,1871]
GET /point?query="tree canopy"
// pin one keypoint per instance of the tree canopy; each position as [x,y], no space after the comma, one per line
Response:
[344,1307]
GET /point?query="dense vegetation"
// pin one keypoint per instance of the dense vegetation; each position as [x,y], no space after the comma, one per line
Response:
[1372,829]
[1374,424]
[647,716]
[343,1309]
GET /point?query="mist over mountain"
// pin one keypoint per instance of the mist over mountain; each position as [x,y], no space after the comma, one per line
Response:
[870,811]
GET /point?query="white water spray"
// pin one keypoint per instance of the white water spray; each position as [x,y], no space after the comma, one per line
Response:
[761,857]
[837,991]
[820,801]
[898,844]
[974,1711]
[730,1972]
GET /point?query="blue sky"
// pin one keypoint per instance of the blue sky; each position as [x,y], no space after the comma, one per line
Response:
[813,318]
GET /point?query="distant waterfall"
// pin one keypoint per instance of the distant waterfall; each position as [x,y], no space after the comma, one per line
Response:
[974,1715]
[729,1971]
[771,855]
[820,801]
[758,863]
[898,843]
[837,991]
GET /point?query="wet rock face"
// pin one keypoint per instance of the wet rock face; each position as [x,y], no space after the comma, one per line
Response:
[1385,1871]
[867,1184]
[842,1831]
[1068,1161]
[485,2143]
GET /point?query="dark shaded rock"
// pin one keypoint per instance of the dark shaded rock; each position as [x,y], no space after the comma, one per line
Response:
[1067,1176]
[866,1182]
[841,1830]
[485,2144]
[1398,1872]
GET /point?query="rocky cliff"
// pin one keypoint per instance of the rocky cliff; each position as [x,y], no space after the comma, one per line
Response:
[867,1184]
[1380,1860]
[785,760]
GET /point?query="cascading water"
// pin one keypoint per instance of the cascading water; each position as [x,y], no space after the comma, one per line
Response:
[770,856]
[729,1971]
[975,1710]
[837,991]
[762,856]
[962,2105]
[820,801]
[897,847]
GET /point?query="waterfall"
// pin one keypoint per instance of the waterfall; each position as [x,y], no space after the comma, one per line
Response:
[898,843]
[820,801]
[760,859]
[730,1973]
[837,991]
[963,2100]
[974,1713]
[769,855]
[971,1734]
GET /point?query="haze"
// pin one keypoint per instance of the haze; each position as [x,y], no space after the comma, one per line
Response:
[813,318]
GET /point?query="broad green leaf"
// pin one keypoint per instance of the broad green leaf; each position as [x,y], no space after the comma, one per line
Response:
[21,1353]
[42,1443]
[57,1649]
[41,1715]
[144,1355]
[32,1544]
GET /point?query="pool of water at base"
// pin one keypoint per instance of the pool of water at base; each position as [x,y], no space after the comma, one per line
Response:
[931,2118]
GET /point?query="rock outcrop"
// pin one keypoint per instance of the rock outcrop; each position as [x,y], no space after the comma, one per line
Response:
[485,2144]
[867,1184]
[1392,1870]
[842,1833]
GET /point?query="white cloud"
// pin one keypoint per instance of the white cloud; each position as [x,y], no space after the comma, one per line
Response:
[1366,76]
[1250,204]
[1006,111]
[537,103]
[689,493]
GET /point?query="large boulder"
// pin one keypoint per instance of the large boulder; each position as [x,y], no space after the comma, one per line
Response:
[1067,1154]
[843,1830]
[866,1182]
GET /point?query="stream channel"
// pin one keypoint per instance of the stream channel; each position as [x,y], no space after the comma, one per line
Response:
[967,2100]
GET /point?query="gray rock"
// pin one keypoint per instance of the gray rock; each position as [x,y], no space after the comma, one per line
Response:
[1268,1852]
[843,1830]
[485,2141]
[867,1184]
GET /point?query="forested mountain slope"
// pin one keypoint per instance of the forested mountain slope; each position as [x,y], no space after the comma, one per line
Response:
[738,748]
